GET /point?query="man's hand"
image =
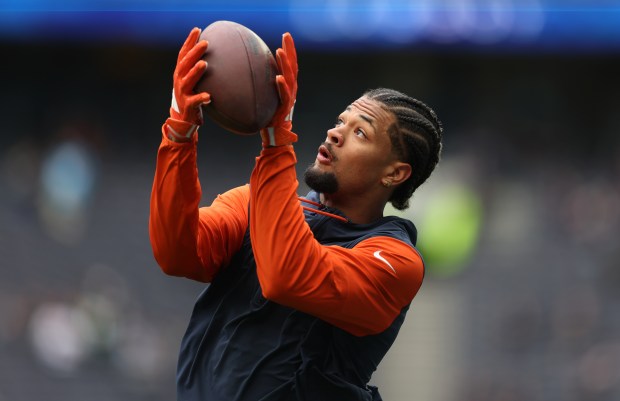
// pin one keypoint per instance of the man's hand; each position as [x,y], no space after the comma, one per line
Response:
[279,130]
[185,110]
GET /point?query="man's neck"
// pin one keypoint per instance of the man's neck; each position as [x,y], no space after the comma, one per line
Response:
[358,210]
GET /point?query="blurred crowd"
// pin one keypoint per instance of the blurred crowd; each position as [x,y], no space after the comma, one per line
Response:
[522,222]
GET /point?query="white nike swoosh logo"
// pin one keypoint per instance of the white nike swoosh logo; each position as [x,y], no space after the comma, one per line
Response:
[381,258]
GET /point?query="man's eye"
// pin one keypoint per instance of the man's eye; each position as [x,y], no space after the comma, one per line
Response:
[360,133]
[338,123]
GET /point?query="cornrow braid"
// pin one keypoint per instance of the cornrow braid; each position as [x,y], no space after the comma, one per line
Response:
[416,139]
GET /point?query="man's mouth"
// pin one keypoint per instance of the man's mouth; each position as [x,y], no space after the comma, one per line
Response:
[324,156]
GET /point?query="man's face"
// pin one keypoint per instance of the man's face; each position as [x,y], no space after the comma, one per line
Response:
[356,152]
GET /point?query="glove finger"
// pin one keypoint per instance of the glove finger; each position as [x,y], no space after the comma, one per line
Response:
[194,75]
[284,66]
[291,53]
[280,57]
[192,57]
[198,99]
[197,51]
[191,40]
[284,93]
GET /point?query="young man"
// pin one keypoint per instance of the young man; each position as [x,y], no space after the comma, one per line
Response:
[306,295]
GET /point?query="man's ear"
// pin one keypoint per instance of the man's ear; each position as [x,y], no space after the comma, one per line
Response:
[399,172]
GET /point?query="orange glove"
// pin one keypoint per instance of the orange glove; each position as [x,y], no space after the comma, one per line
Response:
[279,130]
[185,110]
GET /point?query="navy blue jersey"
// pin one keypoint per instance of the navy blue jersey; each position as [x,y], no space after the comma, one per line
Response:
[241,346]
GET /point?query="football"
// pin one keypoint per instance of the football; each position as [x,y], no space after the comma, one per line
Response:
[240,77]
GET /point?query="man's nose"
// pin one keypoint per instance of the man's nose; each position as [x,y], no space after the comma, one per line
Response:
[334,136]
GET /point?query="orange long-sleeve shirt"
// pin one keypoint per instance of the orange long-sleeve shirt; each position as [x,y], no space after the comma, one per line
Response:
[360,289]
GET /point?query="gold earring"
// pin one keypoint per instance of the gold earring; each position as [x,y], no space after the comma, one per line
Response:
[387,183]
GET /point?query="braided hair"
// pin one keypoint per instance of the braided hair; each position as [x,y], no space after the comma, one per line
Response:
[416,139]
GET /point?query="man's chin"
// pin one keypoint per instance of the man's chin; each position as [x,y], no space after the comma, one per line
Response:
[319,180]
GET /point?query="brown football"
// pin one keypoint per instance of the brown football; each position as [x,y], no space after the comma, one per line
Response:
[240,77]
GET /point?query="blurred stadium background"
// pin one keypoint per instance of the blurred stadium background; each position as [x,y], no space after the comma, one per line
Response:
[520,224]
